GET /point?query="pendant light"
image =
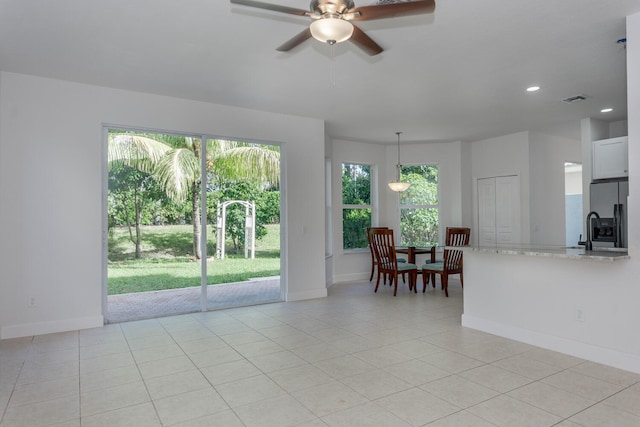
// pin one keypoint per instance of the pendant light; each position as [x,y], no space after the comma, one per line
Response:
[398,185]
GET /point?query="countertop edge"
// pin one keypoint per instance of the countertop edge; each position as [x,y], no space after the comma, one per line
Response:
[553,252]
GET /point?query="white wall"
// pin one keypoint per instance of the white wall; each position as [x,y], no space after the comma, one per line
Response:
[328,209]
[51,191]
[547,157]
[619,128]
[633,106]
[466,177]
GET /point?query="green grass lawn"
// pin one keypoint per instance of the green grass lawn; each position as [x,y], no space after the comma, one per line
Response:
[167,260]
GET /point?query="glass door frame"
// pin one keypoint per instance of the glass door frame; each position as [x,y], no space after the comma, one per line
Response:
[203,209]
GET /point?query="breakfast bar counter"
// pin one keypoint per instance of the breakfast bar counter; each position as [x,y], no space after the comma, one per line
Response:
[560,298]
[567,252]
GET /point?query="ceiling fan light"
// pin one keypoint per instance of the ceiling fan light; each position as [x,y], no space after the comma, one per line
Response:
[331,30]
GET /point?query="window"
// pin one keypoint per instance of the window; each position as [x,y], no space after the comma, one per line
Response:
[356,205]
[419,206]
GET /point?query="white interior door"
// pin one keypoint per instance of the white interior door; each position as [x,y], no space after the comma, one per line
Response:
[508,210]
[487,211]
[499,211]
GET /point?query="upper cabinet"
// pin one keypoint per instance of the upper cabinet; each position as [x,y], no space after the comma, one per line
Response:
[611,158]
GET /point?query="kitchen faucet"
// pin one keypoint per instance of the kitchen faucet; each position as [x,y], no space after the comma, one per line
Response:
[588,244]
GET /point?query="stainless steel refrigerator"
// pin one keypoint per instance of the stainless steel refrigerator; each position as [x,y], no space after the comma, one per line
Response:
[609,200]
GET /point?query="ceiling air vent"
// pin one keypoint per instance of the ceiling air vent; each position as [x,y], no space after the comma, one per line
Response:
[574,99]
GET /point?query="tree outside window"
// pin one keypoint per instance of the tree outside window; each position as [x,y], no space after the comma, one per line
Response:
[419,206]
[356,205]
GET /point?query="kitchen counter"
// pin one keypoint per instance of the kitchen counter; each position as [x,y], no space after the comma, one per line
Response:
[568,252]
[564,299]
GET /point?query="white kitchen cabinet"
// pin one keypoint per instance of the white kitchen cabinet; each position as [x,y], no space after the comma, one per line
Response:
[611,158]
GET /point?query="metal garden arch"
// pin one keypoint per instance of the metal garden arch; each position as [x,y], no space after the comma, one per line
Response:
[249,228]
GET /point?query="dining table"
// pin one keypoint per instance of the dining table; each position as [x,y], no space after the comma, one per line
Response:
[412,251]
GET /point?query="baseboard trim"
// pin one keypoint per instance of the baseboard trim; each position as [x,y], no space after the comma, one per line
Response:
[301,296]
[50,327]
[605,356]
[353,277]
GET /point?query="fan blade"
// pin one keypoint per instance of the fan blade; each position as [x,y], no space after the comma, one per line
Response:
[295,41]
[269,6]
[365,42]
[392,10]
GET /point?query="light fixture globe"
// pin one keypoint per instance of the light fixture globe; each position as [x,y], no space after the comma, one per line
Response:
[331,30]
[399,186]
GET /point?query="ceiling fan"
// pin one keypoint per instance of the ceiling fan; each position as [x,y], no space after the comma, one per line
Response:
[331,20]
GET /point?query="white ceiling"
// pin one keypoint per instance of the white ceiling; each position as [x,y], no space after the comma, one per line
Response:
[459,74]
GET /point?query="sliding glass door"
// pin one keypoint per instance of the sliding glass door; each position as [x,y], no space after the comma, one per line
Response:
[164,195]
[243,213]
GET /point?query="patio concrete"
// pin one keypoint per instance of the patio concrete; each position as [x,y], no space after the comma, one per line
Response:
[144,305]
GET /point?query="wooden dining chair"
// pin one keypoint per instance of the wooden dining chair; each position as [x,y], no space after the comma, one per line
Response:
[373,257]
[384,250]
[451,262]
[454,236]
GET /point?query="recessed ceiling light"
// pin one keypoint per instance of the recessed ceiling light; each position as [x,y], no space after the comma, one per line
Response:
[606,110]
[533,88]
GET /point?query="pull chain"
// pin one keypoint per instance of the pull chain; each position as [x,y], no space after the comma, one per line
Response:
[332,65]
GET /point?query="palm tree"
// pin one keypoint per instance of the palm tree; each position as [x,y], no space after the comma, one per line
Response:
[136,151]
[238,161]
[176,166]
[178,172]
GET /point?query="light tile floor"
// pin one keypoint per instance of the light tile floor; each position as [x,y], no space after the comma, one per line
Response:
[353,359]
